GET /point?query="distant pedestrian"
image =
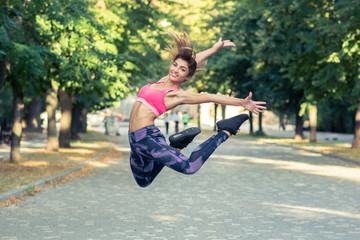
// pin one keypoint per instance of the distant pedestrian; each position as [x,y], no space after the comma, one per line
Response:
[176,118]
[120,117]
[166,120]
[185,118]
[107,115]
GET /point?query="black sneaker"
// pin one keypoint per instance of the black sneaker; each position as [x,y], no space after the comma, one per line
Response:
[183,138]
[233,124]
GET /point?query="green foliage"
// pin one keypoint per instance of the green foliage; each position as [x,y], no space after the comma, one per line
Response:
[19,46]
[101,54]
[6,102]
[334,116]
[288,52]
[293,52]
[338,29]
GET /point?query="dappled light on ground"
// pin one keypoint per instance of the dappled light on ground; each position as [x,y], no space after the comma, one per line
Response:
[164,218]
[99,164]
[34,163]
[345,173]
[38,163]
[122,149]
[17,175]
[91,145]
[342,149]
[114,162]
[310,154]
[64,154]
[78,150]
[310,212]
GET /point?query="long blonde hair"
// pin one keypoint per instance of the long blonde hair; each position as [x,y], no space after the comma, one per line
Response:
[183,48]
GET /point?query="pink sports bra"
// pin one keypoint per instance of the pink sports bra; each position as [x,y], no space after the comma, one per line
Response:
[154,98]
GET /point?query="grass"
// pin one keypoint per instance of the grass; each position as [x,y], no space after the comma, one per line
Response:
[40,164]
[342,149]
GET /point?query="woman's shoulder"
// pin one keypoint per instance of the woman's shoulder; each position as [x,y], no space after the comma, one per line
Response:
[175,93]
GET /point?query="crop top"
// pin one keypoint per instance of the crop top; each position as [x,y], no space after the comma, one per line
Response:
[154,98]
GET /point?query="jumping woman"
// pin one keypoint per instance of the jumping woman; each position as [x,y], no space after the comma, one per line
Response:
[149,150]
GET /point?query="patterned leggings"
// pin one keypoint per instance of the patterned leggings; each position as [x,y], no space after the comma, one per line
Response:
[150,153]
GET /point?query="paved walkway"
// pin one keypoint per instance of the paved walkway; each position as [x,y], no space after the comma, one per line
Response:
[245,191]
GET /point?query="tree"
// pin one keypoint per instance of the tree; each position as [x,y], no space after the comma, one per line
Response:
[338,64]
[302,51]
[33,112]
[102,52]
[51,106]
[85,63]
[22,53]
[239,21]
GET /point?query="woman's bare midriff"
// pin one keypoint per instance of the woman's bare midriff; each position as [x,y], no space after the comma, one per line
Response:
[140,117]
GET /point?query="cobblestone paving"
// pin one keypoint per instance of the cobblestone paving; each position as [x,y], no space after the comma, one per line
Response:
[245,191]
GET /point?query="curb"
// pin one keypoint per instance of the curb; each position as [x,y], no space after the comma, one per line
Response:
[18,191]
[343,158]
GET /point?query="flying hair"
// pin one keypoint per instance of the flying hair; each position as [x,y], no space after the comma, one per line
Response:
[183,48]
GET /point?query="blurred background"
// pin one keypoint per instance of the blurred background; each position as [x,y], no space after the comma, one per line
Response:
[69,64]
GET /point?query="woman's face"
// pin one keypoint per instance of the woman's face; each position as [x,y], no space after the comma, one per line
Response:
[179,70]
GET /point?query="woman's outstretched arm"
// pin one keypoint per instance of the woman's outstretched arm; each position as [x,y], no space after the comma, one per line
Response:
[182,97]
[202,56]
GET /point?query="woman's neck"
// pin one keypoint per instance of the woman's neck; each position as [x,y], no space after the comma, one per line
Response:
[169,84]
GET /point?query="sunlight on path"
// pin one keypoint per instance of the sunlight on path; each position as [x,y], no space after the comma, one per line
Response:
[346,173]
[311,211]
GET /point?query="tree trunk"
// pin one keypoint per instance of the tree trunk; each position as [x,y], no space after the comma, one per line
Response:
[51,105]
[83,120]
[313,122]
[76,122]
[223,111]
[18,112]
[260,123]
[4,71]
[356,140]
[199,115]
[215,113]
[299,127]
[66,104]
[251,119]
[33,120]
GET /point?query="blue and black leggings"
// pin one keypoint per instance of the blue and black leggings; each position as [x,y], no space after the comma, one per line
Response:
[150,153]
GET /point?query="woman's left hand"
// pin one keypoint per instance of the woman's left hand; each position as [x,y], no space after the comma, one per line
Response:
[253,106]
[223,44]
